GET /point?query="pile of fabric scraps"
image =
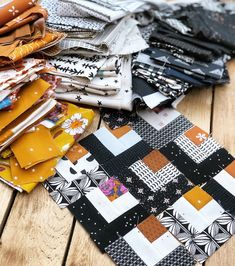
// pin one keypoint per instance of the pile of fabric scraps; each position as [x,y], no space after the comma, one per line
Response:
[157,191]
[28,109]
[96,27]
[189,46]
[94,60]
[175,47]
[35,115]
[23,31]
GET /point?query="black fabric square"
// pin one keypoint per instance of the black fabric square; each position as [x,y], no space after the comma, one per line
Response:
[221,195]
[96,148]
[120,227]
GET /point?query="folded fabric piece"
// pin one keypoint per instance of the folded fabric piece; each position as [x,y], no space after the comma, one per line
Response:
[121,100]
[29,118]
[56,134]
[13,9]
[6,177]
[78,66]
[26,33]
[27,97]
[29,153]
[114,40]
[70,24]
[51,38]
[27,17]
[24,71]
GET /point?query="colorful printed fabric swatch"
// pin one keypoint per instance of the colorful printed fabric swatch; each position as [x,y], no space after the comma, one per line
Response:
[113,189]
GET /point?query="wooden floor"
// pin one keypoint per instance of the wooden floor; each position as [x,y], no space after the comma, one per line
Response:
[34,231]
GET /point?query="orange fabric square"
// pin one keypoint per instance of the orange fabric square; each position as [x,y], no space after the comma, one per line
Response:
[197,197]
[121,131]
[35,147]
[151,228]
[76,152]
[231,169]
[155,160]
[196,135]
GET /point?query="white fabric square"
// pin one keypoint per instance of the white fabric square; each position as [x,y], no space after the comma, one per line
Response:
[142,247]
[154,99]
[130,139]
[160,120]
[109,141]
[165,244]
[201,219]
[111,210]
[227,181]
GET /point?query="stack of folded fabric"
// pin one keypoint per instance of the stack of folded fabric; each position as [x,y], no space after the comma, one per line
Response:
[183,54]
[188,48]
[96,27]
[35,115]
[23,31]
[28,110]
[94,61]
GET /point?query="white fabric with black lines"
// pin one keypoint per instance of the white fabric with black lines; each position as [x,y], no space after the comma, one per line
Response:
[197,153]
[122,100]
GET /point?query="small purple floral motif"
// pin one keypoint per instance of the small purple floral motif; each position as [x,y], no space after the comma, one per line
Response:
[113,188]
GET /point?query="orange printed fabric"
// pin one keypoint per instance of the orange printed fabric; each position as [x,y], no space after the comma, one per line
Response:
[196,135]
[231,169]
[14,8]
[151,228]
[197,197]
[35,174]
[28,16]
[76,152]
[155,160]
[121,131]
[27,96]
[29,152]
[26,49]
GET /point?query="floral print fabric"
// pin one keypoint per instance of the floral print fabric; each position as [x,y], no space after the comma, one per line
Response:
[113,189]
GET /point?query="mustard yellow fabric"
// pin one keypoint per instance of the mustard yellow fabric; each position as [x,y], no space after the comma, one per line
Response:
[66,132]
[35,147]
[197,197]
[5,174]
[37,173]
[28,96]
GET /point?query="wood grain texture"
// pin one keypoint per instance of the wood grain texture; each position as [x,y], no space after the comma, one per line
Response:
[36,232]
[5,198]
[196,106]
[223,130]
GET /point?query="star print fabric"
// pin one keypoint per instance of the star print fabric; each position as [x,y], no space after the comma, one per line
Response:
[111,87]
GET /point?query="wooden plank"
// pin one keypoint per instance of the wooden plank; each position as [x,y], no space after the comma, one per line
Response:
[83,251]
[196,106]
[37,231]
[5,198]
[224,132]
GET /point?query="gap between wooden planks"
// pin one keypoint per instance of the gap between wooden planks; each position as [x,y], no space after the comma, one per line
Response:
[37,232]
